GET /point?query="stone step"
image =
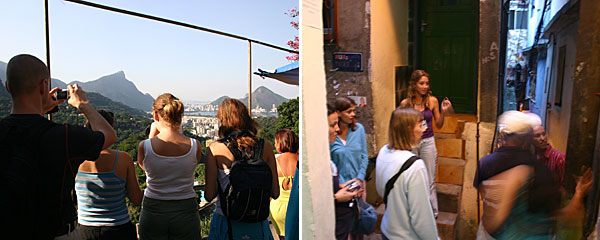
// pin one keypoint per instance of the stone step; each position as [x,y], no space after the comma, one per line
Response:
[448,197]
[446,225]
[439,135]
[450,147]
[450,125]
[450,170]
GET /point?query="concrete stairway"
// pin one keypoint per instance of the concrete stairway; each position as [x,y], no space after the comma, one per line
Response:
[449,174]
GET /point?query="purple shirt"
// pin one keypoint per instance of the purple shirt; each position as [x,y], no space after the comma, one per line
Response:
[428,115]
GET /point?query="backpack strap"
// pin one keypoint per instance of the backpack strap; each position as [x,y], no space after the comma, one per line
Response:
[390,183]
[258,149]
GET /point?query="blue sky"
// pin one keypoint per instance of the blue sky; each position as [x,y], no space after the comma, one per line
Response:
[87,43]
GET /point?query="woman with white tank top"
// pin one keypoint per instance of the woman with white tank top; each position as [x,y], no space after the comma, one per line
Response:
[169,208]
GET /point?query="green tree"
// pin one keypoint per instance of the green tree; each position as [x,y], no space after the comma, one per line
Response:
[289,115]
[267,128]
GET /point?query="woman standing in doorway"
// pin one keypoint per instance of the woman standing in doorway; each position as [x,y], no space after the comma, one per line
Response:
[421,98]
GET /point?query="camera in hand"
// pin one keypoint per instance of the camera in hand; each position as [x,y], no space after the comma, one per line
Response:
[62,94]
[354,186]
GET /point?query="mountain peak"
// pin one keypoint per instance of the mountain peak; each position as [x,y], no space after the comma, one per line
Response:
[119,74]
[262,89]
[261,96]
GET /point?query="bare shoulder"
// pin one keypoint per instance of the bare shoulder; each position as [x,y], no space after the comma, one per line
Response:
[125,156]
[404,102]
[433,100]
[141,145]
[217,148]
[268,148]
[216,145]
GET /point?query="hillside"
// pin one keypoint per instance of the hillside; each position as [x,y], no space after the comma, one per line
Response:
[219,100]
[265,98]
[262,96]
[2,71]
[96,100]
[118,88]
[114,86]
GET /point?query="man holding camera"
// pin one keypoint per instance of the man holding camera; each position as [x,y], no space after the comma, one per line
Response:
[40,158]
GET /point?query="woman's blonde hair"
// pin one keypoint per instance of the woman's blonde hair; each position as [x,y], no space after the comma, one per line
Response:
[401,131]
[169,108]
[233,116]
[412,89]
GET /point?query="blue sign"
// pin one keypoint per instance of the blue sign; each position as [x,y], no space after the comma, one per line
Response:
[347,62]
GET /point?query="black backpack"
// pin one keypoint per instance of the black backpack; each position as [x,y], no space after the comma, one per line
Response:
[247,197]
[19,147]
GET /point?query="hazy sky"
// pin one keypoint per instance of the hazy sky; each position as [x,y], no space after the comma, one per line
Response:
[87,43]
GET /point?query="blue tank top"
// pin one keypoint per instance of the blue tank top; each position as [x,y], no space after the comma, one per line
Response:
[428,116]
[101,198]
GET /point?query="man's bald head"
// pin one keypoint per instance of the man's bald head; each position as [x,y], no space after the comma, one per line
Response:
[23,74]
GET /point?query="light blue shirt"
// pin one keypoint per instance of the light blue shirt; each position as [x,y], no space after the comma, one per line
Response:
[408,214]
[351,159]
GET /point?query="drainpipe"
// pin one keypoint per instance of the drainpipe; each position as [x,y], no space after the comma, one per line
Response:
[502,55]
[477,157]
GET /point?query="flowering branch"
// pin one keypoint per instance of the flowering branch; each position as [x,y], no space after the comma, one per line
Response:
[295,43]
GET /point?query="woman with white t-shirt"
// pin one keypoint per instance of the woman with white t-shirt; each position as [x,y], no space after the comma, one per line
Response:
[408,214]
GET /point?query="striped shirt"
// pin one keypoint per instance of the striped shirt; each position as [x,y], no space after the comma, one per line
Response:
[555,160]
[101,198]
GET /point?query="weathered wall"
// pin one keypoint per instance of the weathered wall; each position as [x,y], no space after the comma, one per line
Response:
[389,48]
[353,36]
[318,216]
[467,223]
[584,132]
[559,116]
[489,39]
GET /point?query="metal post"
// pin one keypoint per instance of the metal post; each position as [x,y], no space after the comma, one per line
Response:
[250,77]
[48,49]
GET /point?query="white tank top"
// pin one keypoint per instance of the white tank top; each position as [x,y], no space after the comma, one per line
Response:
[169,177]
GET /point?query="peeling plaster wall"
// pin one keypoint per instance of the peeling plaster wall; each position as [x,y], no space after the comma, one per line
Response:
[389,48]
[489,40]
[467,223]
[353,36]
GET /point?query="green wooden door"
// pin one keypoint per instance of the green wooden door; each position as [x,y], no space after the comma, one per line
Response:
[447,49]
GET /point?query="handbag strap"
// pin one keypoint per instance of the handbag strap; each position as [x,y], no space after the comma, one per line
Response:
[390,183]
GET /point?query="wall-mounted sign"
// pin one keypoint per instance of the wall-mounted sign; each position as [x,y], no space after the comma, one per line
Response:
[347,61]
[361,101]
